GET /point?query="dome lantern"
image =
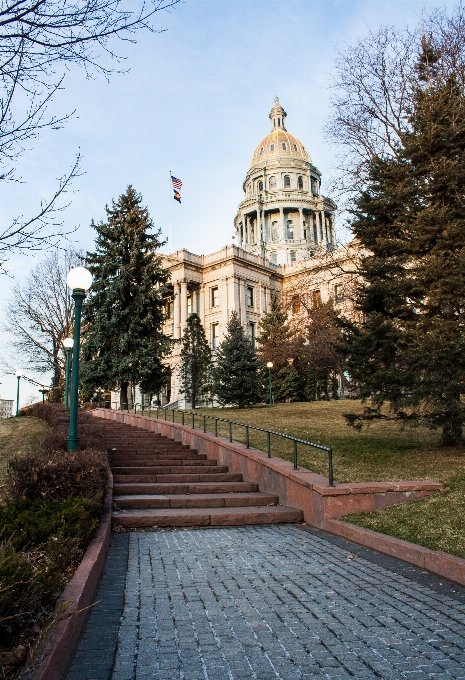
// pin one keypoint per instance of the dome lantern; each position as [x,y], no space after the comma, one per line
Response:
[277,116]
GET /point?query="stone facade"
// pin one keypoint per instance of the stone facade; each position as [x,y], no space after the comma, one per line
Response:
[6,408]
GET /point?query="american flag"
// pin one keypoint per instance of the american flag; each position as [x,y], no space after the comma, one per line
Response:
[177,184]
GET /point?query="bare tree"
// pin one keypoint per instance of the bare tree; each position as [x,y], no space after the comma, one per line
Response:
[39,316]
[373,86]
[39,40]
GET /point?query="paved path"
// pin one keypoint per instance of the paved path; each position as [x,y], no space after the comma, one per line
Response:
[268,603]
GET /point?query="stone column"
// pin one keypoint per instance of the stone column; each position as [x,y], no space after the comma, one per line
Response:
[301,223]
[235,306]
[246,230]
[183,305]
[224,301]
[259,299]
[177,311]
[322,225]
[194,298]
[202,303]
[283,226]
[243,316]
[258,235]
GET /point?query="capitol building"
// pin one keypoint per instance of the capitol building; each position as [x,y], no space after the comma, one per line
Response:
[285,242]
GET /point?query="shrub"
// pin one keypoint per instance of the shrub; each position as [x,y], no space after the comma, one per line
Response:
[43,543]
[58,475]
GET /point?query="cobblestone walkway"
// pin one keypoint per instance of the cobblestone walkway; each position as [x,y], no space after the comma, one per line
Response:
[268,603]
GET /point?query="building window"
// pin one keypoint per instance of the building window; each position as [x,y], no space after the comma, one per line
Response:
[261,151]
[290,230]
[260,186]
[305,229]
[169,308]
[272,183]
[287,182]
[279,122]
[189,304]
[316,298]
[292,255]
[339,292]
[295,147]
[215,297]
[249,296]
[251,332]
[274,258]
[215,336]
[314,187]
[284,146]
[272,147]
[295,304]
[300,183]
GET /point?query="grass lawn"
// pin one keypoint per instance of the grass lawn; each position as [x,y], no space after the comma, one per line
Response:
[381,452]
[18,436]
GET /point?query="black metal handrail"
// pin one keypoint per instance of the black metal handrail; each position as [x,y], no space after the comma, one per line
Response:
[247,427]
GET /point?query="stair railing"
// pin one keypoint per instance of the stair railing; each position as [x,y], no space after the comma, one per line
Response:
[247,427]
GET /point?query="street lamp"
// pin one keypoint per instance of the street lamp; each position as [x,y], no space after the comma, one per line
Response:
[79,280]
[43,392]
[68,345]
[19,376]
[270,366]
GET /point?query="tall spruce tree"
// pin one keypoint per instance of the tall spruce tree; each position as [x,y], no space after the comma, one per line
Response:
[236,374]
[123,340]
[410,351]
[274,344]
[196,362]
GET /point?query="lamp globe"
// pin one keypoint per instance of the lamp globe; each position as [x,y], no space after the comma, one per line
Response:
[68,343]
[79,278]
[269,364]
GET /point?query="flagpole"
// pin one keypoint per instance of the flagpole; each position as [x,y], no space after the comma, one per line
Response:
[171,225]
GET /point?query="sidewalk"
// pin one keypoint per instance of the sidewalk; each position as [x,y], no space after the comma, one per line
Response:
[267,602]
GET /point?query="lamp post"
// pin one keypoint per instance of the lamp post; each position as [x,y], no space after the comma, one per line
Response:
[270,366]
[43,393]
[18,376]
[79,280]
[68,345]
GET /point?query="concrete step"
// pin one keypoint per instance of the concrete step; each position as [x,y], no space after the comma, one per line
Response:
[165,455]
[220,477]
[183,487]
[170,470]
[138,465]
[226,516]
[201,500]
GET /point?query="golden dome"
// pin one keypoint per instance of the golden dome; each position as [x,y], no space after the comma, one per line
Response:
[279,144]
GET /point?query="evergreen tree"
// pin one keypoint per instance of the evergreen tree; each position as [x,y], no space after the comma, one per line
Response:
[196,361]
[410,351]
[275,344]
[123,341]
[237,381]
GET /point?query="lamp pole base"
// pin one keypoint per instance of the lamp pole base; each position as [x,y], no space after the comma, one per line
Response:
[73,443]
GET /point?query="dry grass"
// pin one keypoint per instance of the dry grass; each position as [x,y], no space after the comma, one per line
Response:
[18,436]
[382,452]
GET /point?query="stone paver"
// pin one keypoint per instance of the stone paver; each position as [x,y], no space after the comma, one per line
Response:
[270,602]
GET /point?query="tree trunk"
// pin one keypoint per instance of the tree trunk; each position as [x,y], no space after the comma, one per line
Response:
[452,428]
[123,395]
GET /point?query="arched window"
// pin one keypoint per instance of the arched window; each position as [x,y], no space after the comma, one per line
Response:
[300,183]
[287,182]
[261,151]
[279,122]
[272,147]
[260,186]
[295,147]
[284,146]
[272,183]
[290,230]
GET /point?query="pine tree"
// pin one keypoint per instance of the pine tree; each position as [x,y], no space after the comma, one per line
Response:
[123,340]
[410,351]
[237,381]
[275,344]
[196,361]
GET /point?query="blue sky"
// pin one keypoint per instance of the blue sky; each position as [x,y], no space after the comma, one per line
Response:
[195,101]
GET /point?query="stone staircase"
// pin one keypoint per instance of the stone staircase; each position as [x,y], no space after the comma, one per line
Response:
[161,482]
